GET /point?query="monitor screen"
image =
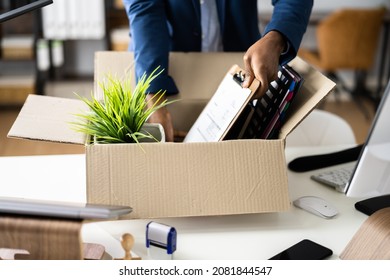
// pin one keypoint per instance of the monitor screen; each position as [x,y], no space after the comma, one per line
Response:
[371,176]
[17,8]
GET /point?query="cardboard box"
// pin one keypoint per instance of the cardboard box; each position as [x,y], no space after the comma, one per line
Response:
[186,179]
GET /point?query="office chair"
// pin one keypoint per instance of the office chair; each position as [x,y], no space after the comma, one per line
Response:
[372,240]
[347,40]
[320,128]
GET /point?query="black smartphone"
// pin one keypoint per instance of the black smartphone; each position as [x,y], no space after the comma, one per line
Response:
[304,250]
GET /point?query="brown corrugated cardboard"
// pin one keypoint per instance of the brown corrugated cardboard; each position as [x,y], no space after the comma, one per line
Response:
[196,179]
[48,118]
[315,88]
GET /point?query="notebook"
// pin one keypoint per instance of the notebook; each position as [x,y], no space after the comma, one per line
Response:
[19,206]
[370,175]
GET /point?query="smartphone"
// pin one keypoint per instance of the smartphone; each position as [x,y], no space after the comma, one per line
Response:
[304,250]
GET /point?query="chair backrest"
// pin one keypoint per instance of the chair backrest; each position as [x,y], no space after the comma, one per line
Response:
[372,240]
[40,238]
[348,38]
[321,128]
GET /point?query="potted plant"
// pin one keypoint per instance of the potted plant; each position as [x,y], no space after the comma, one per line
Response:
[122,114]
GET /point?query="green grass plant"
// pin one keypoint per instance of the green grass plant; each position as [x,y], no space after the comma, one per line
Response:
[122,113]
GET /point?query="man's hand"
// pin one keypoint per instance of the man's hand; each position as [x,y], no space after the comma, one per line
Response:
[161,116]
[262,61]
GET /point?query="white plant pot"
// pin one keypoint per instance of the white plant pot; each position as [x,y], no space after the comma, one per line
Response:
[156,130]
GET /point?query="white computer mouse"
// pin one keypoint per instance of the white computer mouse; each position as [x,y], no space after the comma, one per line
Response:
[317,206]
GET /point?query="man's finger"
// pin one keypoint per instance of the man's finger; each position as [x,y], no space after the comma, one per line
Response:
[248,80]
[249,76]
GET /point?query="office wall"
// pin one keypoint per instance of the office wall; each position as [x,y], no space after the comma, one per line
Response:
[325,5]
[330,5]
[80,53]
[309,39]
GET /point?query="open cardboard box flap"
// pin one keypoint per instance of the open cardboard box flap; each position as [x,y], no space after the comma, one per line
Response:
[49,118]
[179,179]
[315,88]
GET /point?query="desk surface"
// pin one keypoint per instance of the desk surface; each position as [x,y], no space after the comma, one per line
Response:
[250,236]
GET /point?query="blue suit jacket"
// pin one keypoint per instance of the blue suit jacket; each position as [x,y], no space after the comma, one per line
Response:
[160,26]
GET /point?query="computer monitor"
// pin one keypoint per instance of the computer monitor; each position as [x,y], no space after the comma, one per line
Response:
[7,14]
[371,176]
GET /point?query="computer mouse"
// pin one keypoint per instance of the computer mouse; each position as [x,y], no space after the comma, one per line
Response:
[317,206]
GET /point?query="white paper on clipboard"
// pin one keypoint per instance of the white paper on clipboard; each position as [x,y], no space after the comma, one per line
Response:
[221,111]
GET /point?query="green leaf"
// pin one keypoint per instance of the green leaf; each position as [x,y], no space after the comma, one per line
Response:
[123,112]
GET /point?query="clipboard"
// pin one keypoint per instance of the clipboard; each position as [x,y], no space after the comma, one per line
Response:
[223,109]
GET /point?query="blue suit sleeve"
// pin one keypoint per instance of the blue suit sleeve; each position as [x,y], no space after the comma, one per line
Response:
[290,18]
[150,40]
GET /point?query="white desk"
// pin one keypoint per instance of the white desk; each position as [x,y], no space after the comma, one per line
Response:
[251,236]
